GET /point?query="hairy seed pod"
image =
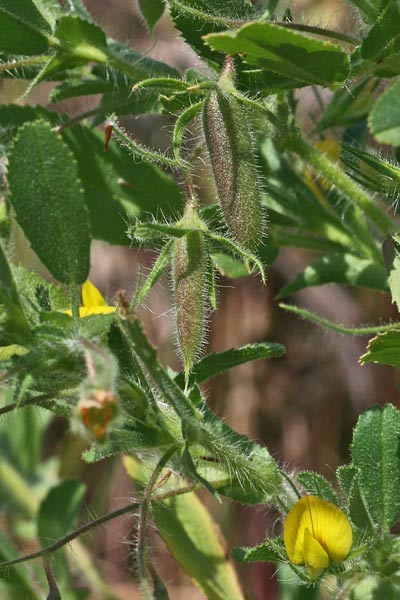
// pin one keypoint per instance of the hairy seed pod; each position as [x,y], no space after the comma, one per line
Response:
[189,276]
[229,140]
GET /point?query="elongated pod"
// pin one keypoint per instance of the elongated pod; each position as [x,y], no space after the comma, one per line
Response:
[189,276]
[229,140]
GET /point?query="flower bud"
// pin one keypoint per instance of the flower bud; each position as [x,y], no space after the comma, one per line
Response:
[189,276]
[96,411]
[229,140]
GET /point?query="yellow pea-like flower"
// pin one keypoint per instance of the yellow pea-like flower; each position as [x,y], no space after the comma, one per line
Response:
[315,533]
[93,302]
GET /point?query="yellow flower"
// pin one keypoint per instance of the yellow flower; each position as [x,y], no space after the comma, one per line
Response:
[316,532]
[93,302]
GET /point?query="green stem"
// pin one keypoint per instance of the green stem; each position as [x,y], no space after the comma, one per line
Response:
[148,357]
[140,151]
[75,300]
[43,399]
[24,62]
[141,550]
[333,173]
[339,328]
[92,524]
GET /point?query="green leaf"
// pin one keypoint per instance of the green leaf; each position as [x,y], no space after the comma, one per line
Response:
[393,267]
[317,485]
[23,30]
[339,268]
[375,451]
[126,439]
[82,39]
[271,550]
[46,194]
[345,475]
[374,587]
[229,266]
[152,10]
[161,264]
[383,39]
[384,120]
[193,539]
[14,328]
[79,87]
[285,52]
[13,116]
[372,171]
[370,8]
[244,471]
[358,508]
[118,190]
[50,10]
[213,364]
[17,581]
[384,349]
[348,105]
[59,511]
[136,66]
[196,18]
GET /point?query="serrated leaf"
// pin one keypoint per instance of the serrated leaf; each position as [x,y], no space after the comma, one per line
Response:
[270,550]
[251,475]
[152,11]
[23,30]
[357,506]
[384,349]
[213,364]
[345,475]
[196,18]
[375,451]
[316,485]
[13,116]
[284,52]
[14,328]
[193,538]
[59,511]
[118,190]
[136,66]
[383,39]
[339,268]
[50,10]
[384,120]
[46,194]
[82,39]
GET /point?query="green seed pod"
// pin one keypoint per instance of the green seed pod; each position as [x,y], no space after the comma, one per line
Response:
[189,276]
[229,140]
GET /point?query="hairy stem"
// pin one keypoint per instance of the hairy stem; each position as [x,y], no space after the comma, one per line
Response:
[302,312]
[333,173]
[131,507]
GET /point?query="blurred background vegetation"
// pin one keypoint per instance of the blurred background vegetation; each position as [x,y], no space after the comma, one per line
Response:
[303,406]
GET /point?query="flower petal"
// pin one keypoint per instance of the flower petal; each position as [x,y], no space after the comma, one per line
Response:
[91,295]
[315,557]
[326,523]
[86,311]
